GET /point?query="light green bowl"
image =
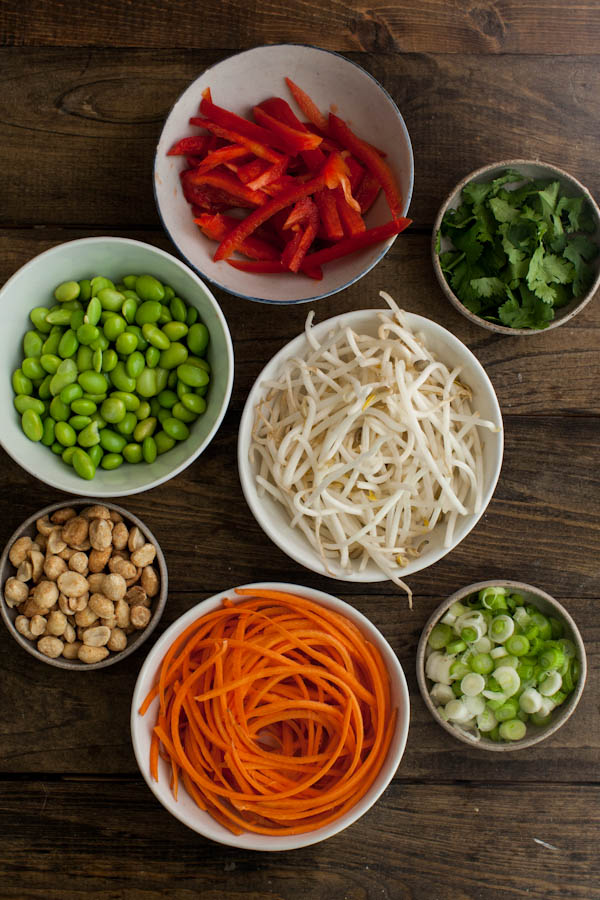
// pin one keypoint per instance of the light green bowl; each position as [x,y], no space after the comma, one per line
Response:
[33,285]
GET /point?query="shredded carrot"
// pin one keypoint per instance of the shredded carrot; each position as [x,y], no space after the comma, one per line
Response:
[274,713]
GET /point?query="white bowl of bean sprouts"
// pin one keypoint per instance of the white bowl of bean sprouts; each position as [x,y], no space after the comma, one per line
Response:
[370,445]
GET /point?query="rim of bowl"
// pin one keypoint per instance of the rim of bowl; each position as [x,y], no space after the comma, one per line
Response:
[566,711]
[315,563]
[447,290]
[230,366]
[385,247]
[75,664]
[249,840]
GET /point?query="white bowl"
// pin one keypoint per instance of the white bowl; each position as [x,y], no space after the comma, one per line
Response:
[184,808]
[115,257]
[239,83]
[273,518]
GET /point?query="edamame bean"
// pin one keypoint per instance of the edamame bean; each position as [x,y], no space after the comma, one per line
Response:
[148,313]
[135,364]
[99,283]
[109,360]
[93,382]
[111,299]
[101,342]
[146,384]
[142,343]
[48,435]
[191,316]
[143,410]
[68,344]
[79,422]
[144,429]
[163,414]
[132,453]
[149,450]
[67,455]
[32,368]
[85,290]
[114,326]
[174,356]
[97,361]
[163,442]
[165,316]
[68,290]
[24,402]
[199,363]
[95,453]
[162,376]
[59,411]
[64,375]
[32,344]
[58,316]
[52,342]
[194,403]
[129,309]
[83,464]
[38,317]
[152,357]
[87,334]
[31,424]
[179,411]
[156,337]
[82,407]
[167,399]
[111,441]
[127,343]
[127,424]
[149,288]
[178,309]
[93,311]
[65,434]
[169,293]
[89,436]
[50,362]
[175,330]
[113,410]
[96,417]
[131,401]
[197,338]
[70,393]
[121,380]
[176,429]
[172,380]
[129,281]
[77,319]
[44,392]
[57,448]
[95,398]
[192,376]
[21,383]
[111,461]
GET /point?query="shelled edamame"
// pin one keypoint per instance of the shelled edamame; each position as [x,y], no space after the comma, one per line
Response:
[499,665]
[112,372]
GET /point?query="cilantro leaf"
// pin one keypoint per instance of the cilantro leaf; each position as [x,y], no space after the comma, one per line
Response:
[531,312]
[502,210]
[580,250]
[488,287]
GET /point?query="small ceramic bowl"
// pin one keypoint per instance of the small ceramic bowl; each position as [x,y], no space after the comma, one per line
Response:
[135,640]
[114,257]
[530,169]
[546,605]
[184,808]
[274,519]
[240,82]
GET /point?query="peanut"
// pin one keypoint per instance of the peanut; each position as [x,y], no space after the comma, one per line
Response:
[55,542]
[44,525]
[86,617]
[100,534]
[149,581]
[15,591]
[38,625]
[98,559]
[36,558]
[122,567]
[101,606]
[22,626]
[136,539]
[95,581]
[75,531]
[53,567]
[120,536]
[79,563]
[45,594]
[25,571]
[91,655]
[72,584]
[122,614]
[140,616]
[60,516]
[57,622]
[50,646]
[96,512]
[114,587]
[71,650]
[144,556]
[97,636]
[117,640]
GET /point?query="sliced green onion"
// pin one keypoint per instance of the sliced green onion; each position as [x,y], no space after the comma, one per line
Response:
[472,684]
[459,669]
[517,645]
[486,720]
[552,658]
[455,647]
[508,710]
[456,711]
[501,628]
[551,684]
[475,705]
[498,652]
[439,637]
[508,680]
[512,661]
[482,663]
[530,700]
[513,730]
[441,694]
[469,634]
[543,624]
[483,645]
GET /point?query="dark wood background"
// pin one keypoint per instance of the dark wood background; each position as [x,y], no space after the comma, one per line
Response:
[84,90]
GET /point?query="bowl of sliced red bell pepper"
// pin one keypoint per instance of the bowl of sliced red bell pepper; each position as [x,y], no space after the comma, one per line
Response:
[284,173]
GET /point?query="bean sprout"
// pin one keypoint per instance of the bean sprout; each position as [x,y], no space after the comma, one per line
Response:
[370,443]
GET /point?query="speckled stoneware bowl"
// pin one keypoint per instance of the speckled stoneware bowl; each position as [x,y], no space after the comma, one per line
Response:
[135,640]
[547,605]
[240,82]
[530,169]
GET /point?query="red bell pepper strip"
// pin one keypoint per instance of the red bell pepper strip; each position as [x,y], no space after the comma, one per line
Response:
[217,227]
[352,221]
[223,155]
[281,184]
[281,110]
[250,170]
[224,181]
[207,197]
[350,245]
[259,149]
[330,219]
[309,107]
[367,192]
[195,146]
[273,173]
[340,174]
[236,123]
[295,251]
[296,140]
[302,212]
[269,268]
[356,173]
[374,163]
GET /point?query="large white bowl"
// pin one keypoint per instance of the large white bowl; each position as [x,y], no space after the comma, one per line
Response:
[239,83]
[273,517]
[184,808]
[115,257]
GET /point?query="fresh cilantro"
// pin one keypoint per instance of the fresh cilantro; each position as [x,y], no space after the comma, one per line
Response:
[516,249]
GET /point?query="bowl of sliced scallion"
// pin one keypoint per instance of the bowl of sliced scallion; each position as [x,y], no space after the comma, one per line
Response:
[501,665]
[516,246]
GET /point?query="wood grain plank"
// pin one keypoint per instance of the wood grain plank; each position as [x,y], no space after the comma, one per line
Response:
[552,373]
[80,128]
[433,26]
[111,840]
[79,722]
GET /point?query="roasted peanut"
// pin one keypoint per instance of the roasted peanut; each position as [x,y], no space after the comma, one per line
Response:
[79,563]
[101,606]
[45,594]
[96,512]
[36,558]
[55,541]
[86,617]
[38,625]
[75,531]
[50,646]
[100,534]
[97,636]
[69,633]
[91,655]
[144,556]
[122,567]
[114,587]
[98,559]
[15,591]
[140,616]
[117,640]
[72,584]
[60,516]
[57,622]
[122,614]
[115,516]
[71,650]
[149,581]
[120,536]
[53,567]
[23,627]
[95,581]
[25,571]
[41,540]
[44,525]
[136,539]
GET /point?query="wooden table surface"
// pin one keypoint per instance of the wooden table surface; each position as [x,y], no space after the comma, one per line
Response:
[85,88]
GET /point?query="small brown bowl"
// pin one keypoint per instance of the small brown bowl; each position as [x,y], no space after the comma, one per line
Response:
[28,529]
[530,168]
[547,605]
